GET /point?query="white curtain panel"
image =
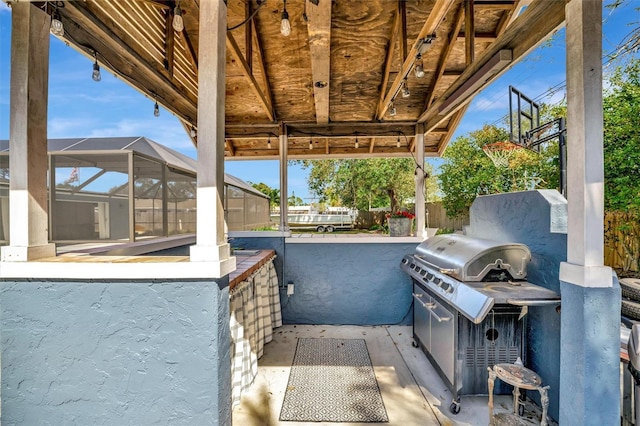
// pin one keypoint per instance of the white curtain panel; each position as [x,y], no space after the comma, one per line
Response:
[254,307]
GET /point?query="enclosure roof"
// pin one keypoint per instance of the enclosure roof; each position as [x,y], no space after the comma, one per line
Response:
[334,79]
[139,144]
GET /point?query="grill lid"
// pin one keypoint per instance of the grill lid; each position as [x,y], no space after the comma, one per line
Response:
[472,259]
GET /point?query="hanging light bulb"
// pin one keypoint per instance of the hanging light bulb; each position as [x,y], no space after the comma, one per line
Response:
[392,109]
[156,109]
[56,28]
[357,144]
[192,132]
[178,22]
[285,25]
[419,68]
[96,68]
[405,89]
[398,142]
[310,144]
[269,143]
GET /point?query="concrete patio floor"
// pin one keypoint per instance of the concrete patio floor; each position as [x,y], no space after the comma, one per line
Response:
[412,391]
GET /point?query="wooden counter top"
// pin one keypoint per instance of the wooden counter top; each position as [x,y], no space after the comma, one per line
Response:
[247,265]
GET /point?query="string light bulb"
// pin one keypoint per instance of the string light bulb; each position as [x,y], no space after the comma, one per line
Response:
[357,144]
[310,144]
[56,28]
[285,25]
[178,22]
[96,68]
[392,109]
[405,89]
[193,132]
[419,68]
[398,142]
[269,142]
[156,108]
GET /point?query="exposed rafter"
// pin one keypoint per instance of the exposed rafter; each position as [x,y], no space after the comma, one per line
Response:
[319,28]
[235,52]
[114,48]
[438,12]
[539,20]
[457,24]
[387,63]
[469,32]
[263,69]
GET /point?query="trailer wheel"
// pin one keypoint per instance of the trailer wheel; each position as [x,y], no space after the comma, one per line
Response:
[330,228]
[630,288]
[631,309]
[320,228]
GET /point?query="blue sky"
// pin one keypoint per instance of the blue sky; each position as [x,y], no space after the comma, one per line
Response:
[80,107]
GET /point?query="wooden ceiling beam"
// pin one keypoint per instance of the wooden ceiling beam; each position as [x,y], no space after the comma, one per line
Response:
[469,32]
[457,24]
[532,27]
[263,69]
[244,66]
[372,144]
[437,14]
[319,29]
[91,34]
[331,130]
[230,148]
[402,13]
[169,42]
[495,4]
[479,37]
[389,58]
[453,126]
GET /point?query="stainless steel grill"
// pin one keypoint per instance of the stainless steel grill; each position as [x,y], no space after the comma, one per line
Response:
[470,296]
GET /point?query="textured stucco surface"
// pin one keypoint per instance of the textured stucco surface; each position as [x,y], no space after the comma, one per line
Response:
[360,284]
[590,361]
[104,353]
[537,219]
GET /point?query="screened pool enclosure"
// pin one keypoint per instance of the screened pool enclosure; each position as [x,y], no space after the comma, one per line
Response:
[127,189]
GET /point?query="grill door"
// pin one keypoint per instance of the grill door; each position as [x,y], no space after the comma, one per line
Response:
[443,338]
[421,317]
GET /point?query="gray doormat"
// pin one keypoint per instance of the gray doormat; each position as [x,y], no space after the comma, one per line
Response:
[332,380]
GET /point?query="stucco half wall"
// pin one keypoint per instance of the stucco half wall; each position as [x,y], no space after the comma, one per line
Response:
[144,352]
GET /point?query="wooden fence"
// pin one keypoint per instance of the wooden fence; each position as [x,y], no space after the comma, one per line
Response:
[622,240]
[436,218]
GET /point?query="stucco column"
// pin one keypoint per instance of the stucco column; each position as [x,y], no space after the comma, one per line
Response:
[29,222]
[589,359]
[211,243]
[283,141]
[420,187]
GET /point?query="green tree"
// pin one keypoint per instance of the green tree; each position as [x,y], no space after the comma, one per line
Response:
[468,172]
[295,201]
[364,184]
[272,193]
[621,107]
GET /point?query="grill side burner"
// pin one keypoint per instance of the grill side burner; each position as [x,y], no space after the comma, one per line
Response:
[466,326]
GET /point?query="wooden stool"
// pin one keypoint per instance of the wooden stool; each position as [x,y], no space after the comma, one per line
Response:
[520,378]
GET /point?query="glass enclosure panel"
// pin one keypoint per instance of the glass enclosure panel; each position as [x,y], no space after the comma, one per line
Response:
[148,198]
[181,204]
[235,208]
[4,199]
[87,203]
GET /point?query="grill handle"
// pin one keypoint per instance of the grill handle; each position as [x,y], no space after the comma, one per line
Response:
[522,302]
[430,307]
[439,269]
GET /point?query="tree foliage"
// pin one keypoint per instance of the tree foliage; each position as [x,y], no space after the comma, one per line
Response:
[621,106]
[272,193]
[468,172]
[364,184]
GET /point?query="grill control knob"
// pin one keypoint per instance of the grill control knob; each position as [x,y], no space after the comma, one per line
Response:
[446,287]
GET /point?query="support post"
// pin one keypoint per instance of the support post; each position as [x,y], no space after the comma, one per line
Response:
[283,140]
[589,359]
[420,184]
[28,160]
[211,244]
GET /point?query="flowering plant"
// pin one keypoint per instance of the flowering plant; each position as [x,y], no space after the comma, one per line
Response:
[401,214]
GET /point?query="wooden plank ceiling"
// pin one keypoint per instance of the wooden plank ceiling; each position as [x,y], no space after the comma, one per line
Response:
[338,81]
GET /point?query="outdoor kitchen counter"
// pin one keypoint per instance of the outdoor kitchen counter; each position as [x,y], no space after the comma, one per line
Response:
[247,265]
